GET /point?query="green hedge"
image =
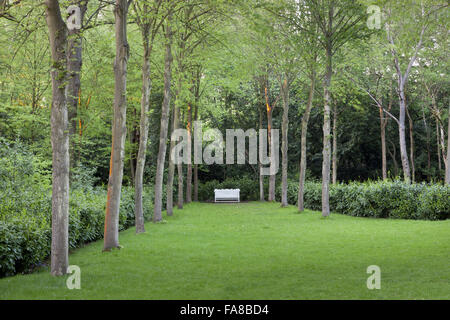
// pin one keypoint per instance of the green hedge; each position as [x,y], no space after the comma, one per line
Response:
[25,226]
[381,199]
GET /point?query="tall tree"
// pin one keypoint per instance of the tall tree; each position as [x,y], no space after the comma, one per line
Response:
[149,23]
[111,237]
[338,21]
[168,59]
[74,65]
[60,140]
[406,31]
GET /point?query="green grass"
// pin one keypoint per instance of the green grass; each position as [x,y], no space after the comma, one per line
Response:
[256,251]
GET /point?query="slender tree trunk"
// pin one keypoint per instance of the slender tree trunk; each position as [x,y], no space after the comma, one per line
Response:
[189,150]
[447,168]
[326,136]
[284,143]
[134,138]
[196,165]
[402,135]
[261,177]
[438,146]
[171,171]
[74,64]
[411,146]
[143,137]
[60,140]
[444,154]
[119,130]
[272,177]
[269,110]
[394,158]
[383,144]
[157,216]
[334,161]
[180,198]
[427,131]
[305,120]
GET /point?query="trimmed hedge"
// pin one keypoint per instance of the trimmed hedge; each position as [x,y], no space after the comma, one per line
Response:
[25,233]
[381,199]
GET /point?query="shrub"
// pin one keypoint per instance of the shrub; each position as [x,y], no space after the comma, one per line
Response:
[25,232]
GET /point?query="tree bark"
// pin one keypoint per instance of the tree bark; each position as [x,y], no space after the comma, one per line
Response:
[284,143]
[157,216]
[111,236]
[438,146]
[171,171]
[305,120]
[189,150]
[196,165]
[326,135]
[261,177]
[60,140]
[269,110]
[411,145]
[180,198]
[143,137]
[402,135]
[74,65]
[447,168]
[334,160]
[383,144]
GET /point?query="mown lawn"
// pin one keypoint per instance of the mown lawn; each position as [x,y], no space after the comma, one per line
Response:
[256,251]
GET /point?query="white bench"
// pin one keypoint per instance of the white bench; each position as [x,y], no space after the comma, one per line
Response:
[226,195]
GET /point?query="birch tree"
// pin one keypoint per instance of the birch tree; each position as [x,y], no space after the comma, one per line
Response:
[111,236]
[60,139]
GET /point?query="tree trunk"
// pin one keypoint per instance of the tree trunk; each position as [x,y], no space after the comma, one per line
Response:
[402,135]
[326,137]
[134,138]
[111,236]
[180,198]
[171,171]
[261,177]
[189,150]
[143,137]
[411,146]
[383,144]
[305,120]
[447,168]
[157,216]
[284,143]
[271,196]
[438,146]
[60,141]
[334,164]
[74,64]
[196,165]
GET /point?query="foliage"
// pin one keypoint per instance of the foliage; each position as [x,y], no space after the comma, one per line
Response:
[380,199]
[26,206]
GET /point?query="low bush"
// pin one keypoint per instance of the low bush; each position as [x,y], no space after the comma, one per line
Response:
[25,234]
[381,199]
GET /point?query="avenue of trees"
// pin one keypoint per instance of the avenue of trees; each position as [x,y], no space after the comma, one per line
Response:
[358,89]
